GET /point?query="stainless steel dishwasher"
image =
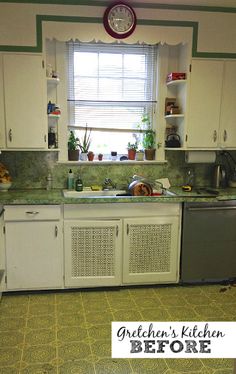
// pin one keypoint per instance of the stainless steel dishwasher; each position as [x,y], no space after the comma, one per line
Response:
[208,242]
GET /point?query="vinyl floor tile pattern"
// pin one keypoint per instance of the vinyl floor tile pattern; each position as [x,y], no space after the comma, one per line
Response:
[70,332]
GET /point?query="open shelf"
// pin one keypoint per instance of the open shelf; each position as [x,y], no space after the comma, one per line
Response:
[181,115]
[53,81]
[176,82]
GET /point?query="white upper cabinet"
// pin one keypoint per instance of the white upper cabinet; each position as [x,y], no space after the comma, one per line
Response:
[211,119]
[205,101]
[25,101]
[2,119]
[227,118]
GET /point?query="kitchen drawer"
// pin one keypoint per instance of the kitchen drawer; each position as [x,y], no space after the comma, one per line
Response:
[32,212]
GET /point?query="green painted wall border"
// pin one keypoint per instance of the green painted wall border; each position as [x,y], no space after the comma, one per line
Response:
[97,20]
[194,8]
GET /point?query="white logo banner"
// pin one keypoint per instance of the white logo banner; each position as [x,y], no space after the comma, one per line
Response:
[174,339]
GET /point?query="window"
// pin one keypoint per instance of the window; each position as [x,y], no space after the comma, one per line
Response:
[111,86]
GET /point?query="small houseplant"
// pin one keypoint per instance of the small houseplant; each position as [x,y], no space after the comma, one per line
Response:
[149,138]
[90,156]
[132,148]
[84,143]
[73,151]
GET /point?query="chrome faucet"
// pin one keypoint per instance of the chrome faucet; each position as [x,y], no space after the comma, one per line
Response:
[108,185]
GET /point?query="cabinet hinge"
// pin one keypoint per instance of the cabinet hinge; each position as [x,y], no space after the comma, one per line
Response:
[186,137]
[45,138]
[43,64]
[5,279]
[190,68]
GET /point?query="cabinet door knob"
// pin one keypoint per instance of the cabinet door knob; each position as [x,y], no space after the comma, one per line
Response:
[225,136]
[10,135]
[215,136]
[32,212]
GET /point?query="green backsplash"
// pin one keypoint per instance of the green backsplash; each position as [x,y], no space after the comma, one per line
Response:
[30,169]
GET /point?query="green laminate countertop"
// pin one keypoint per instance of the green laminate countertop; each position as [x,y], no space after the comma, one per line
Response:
[55,196]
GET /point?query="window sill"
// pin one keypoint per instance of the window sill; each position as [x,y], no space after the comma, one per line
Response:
[109,162]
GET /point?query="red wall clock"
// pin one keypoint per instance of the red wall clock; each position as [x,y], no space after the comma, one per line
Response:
[119,20]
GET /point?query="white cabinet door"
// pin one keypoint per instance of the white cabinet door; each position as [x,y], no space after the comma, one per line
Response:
[205,102]
[92,253]
[2,253]
[151,250]
[34,255]
[228,119]
[2,111]
[25,101]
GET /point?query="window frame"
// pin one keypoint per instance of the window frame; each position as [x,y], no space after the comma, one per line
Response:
[83,47]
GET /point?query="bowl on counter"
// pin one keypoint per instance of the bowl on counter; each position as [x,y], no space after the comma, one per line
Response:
[4,187]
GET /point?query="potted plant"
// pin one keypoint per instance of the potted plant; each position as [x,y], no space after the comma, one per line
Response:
[84,143]
[73,151]
[132,148]
[140,155]
[90,156]
[149,140]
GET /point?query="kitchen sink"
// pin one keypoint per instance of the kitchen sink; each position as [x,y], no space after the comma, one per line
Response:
[78,194]
[109,193]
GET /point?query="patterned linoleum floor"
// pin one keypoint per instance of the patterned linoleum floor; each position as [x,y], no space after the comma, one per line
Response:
[69,332]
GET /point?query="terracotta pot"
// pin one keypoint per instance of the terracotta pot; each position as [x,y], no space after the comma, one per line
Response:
[90,156]
[131,154]
[150,154]
[100,156]
[73,155]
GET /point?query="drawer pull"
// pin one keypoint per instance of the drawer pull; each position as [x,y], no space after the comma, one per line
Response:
[214,136]
[10,135]
[32,212]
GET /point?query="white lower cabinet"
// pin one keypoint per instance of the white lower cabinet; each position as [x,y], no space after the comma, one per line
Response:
[92,253]
[123,244]
[151,250]
[34,247]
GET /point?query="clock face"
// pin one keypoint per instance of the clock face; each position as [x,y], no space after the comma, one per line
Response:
[119,20]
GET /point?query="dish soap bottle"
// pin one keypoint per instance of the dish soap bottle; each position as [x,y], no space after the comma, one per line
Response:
[79,184]
[70,180]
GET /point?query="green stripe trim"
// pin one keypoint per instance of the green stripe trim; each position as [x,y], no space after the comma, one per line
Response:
[194,8]
[97,20]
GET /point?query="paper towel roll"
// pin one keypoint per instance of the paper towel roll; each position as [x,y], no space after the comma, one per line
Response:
[200,157]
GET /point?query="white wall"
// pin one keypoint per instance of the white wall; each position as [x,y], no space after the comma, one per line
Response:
[216,34]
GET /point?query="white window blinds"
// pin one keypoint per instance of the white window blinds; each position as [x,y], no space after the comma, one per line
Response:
[110,87]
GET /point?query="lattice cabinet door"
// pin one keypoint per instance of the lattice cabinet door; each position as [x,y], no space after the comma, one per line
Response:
[151,250]
[93,253]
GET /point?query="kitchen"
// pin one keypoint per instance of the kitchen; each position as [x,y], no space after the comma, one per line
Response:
[29,169]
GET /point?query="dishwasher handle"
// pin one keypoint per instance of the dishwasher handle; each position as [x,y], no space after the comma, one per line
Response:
[211,208]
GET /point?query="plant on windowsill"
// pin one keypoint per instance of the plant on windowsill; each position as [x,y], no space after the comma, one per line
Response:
[73,151]
[132,148]
[149,140]
[84,143]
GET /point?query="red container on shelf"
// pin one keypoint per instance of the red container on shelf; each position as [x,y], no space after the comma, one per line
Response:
[175,76]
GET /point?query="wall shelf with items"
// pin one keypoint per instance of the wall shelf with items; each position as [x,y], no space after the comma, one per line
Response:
[53,112]
[174,86]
